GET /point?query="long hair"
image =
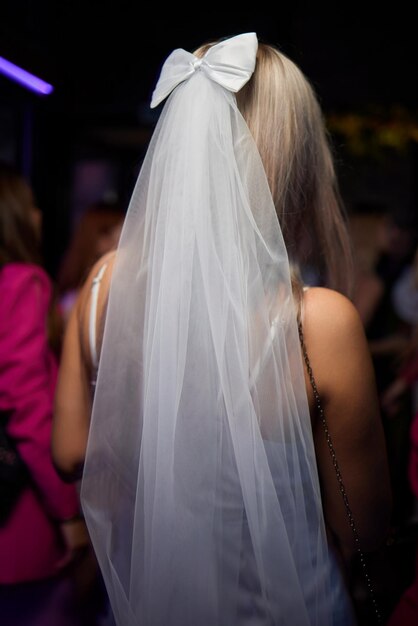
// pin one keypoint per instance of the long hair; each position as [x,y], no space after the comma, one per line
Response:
[286,121]
[19,241]
[201,356]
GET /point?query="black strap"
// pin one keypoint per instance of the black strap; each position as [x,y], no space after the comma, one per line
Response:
[341,486]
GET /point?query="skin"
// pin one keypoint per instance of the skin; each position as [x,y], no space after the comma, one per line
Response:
[73,395]
[344,375]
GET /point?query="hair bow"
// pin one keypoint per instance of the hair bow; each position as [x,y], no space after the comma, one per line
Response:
[230,63]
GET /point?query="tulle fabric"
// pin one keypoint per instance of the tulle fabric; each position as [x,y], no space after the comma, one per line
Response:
[200,485]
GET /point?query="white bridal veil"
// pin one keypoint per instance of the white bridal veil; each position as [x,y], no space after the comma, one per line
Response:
[200,487]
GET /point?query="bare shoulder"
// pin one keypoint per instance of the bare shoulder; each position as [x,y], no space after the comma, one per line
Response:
[332,321]
[330,311]
[344,374]
[334,335]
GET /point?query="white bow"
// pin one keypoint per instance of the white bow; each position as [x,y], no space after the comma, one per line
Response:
[230,63]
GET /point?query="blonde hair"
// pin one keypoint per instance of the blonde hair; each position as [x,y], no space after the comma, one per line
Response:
[286,121]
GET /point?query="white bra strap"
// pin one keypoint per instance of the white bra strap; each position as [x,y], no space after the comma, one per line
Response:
[267,347]
[93,314]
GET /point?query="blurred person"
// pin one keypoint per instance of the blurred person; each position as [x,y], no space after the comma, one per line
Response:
[405,613]
[405,303]
[97,232]
[399,398]
[42,533]
[405,293]
[197,369]
[388,332]
[405,380]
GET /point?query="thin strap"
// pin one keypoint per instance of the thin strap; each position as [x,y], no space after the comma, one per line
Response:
[339,476]
[93,314]
[262,358]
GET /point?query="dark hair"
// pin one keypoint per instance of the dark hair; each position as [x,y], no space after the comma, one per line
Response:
[97,220]
[19,241]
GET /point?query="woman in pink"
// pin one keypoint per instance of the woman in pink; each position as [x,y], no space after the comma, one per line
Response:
[43,530]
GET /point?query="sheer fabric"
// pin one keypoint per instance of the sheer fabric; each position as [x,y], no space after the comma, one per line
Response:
[200,486]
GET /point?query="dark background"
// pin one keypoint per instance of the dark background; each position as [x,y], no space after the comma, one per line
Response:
[87,139]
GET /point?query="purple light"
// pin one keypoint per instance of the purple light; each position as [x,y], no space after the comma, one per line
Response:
[24,78]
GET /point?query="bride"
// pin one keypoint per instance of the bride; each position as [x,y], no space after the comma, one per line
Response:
[225,386]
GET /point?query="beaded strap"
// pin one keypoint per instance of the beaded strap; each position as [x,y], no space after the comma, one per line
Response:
[339,477]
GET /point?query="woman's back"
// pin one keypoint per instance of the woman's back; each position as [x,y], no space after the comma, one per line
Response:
[206,472]
[341,364]
[340,360]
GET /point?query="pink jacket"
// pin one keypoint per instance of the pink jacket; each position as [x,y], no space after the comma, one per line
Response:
[30,542]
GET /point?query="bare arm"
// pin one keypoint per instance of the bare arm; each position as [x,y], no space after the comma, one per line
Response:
[344,374]
[72,403]
[73,398]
